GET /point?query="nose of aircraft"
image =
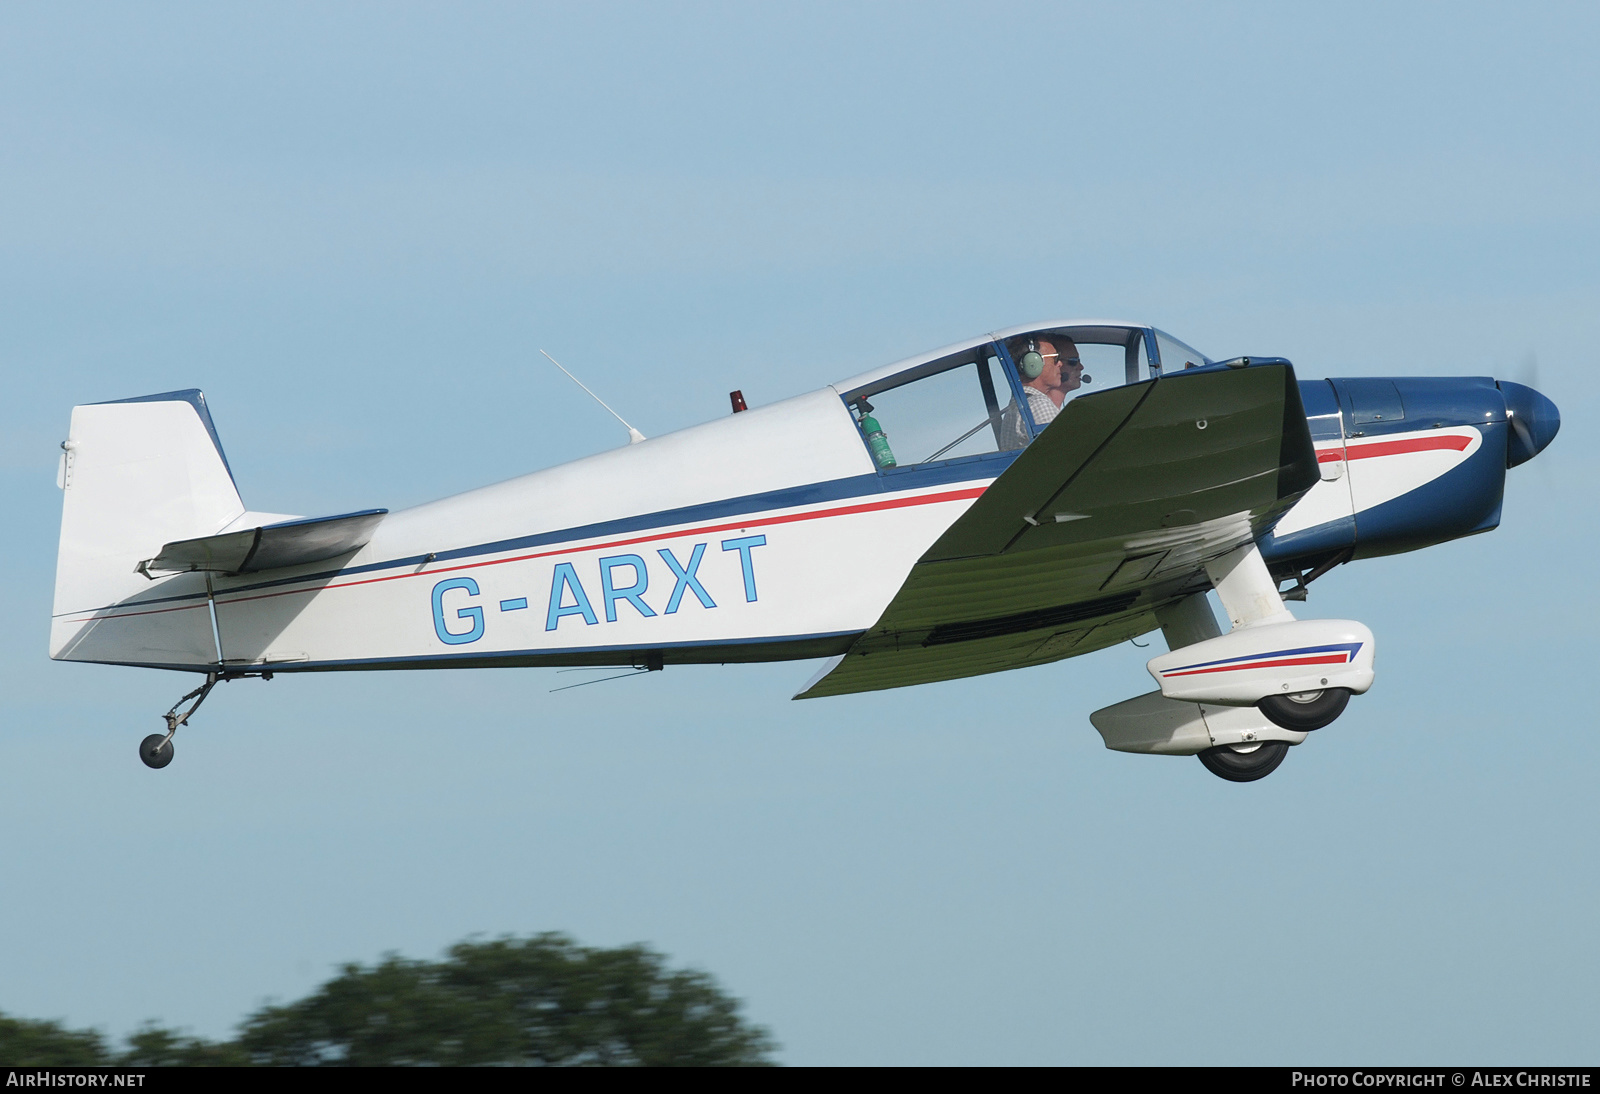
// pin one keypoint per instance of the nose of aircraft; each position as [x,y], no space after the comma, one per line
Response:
[1534,422]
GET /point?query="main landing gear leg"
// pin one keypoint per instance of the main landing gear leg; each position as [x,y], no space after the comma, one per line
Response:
[156,749]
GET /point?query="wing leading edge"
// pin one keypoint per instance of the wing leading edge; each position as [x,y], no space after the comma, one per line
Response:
[1112,512]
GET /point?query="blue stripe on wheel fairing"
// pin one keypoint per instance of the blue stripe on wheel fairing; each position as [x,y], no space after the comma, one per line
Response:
[1349,649]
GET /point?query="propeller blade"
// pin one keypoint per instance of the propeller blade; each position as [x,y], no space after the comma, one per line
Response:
[1528,374]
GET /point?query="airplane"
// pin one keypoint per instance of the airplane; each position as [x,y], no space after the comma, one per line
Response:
[941,517]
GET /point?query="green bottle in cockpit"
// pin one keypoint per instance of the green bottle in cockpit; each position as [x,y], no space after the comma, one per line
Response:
[877,441]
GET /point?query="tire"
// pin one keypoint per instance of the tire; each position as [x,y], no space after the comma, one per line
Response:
[155,750]
[1227,762]
[1318,709]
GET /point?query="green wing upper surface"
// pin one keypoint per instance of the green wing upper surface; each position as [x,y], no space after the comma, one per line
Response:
[1110,513]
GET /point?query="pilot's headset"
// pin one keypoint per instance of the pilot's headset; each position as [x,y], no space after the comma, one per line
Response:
[1031,363]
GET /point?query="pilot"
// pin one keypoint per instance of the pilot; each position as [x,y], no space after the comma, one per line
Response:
[1049,368]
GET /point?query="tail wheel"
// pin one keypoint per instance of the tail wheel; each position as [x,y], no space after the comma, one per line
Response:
[1245,763]
[156,750]
[1305,710]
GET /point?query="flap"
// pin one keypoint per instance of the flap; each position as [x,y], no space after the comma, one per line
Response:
[1111,512]
[286,543]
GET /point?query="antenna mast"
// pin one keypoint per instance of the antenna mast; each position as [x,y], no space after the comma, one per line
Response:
[634,436]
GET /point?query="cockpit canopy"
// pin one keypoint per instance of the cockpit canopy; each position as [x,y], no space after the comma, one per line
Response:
[977,400]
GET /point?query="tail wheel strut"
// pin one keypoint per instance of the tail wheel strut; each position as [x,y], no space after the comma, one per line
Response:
[156,750]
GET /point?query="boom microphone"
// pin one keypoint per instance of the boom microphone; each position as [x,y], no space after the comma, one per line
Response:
[1086,378]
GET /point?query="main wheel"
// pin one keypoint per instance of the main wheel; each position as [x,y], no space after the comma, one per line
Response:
[1245,763]
[1305,710]
[155,750]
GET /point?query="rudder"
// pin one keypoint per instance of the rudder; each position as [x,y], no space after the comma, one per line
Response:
[136,474]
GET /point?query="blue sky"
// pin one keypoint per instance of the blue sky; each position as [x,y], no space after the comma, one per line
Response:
[354,225]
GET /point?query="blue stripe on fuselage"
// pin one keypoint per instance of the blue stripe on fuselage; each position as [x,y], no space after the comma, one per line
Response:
[898,481]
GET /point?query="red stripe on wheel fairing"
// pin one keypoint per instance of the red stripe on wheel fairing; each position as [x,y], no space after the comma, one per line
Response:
[1326,659]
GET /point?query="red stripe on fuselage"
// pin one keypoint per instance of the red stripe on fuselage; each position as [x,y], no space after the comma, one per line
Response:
[761,522]
[709,529]
[1452,442]
[91,617]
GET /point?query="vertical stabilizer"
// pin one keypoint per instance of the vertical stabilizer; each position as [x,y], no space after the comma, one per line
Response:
[137,474]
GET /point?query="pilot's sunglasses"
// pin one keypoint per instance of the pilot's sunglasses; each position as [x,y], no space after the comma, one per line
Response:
[1066,360]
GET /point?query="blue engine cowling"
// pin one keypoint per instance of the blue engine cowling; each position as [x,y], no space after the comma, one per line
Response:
[1515,422]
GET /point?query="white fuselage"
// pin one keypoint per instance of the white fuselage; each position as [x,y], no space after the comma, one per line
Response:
[768,527]
[763,535]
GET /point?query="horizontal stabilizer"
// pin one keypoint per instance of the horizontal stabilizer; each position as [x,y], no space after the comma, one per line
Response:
[286,543]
